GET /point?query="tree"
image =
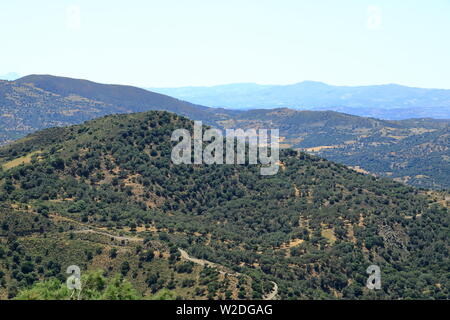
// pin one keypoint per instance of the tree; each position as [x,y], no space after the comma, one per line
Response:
[125,268]
[120,289]
[164,294]
[113,253]
[51,289]
[94,287]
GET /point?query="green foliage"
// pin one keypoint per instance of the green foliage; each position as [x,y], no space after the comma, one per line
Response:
[164,294]
[313,228]
[94,287]
[120,289]
[51,289]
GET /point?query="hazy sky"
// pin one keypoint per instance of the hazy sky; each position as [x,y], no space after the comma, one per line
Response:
[208,42]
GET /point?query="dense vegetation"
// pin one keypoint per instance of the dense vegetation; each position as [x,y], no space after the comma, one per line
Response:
[95,287]
[419,160]
[106,195]
[413,151]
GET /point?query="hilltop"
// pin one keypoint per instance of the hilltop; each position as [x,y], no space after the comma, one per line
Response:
[376,146]
[104,194]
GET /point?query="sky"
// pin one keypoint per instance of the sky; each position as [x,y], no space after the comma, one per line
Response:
[171,43]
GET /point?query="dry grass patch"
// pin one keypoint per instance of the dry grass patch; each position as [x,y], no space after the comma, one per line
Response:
[22,160]
[329,235]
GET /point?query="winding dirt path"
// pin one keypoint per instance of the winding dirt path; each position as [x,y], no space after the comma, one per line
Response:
[273,294]
[184,255]
[118,238]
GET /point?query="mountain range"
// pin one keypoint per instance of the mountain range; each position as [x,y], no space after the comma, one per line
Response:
[389,101]
[412,151]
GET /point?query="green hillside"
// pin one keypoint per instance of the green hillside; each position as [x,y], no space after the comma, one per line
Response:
[414,151]
[105,195]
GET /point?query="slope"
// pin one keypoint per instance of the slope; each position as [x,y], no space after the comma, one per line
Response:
[312,229]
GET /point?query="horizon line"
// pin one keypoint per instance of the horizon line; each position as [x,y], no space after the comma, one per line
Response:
[223,84]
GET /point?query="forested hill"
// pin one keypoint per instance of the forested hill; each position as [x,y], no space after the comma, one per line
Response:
[377,146]
[414,151]
[105,194]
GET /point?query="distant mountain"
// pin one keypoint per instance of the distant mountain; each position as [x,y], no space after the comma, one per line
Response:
[389,101]
[119,98]
[377,146]
[41,101]
[106,195]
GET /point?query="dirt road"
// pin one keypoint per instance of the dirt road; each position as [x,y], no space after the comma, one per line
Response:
[118,238]
[184,255]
